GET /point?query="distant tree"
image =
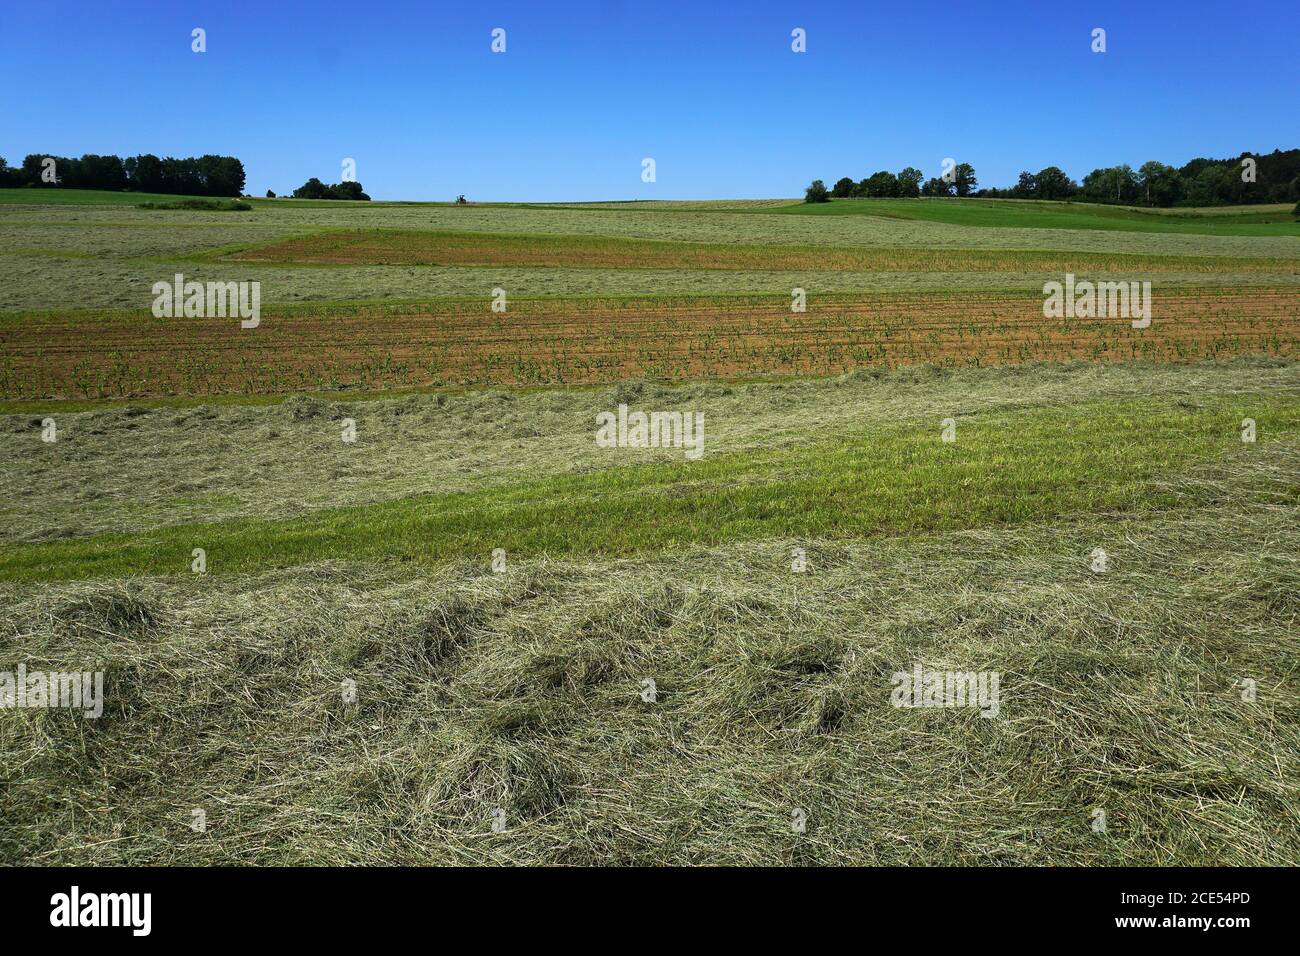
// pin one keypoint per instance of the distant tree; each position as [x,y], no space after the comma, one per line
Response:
[936,187]
[1026,187]
[1116,184]
[1192,168]
[315,189]
[270,194]
[1217,181]
[145,173]
[843,188]
[181,176]
[1052,183]
[214,177]
[222,175]
[202,176]
[964,180]
[347,190]
[1284,192]
[882,185]
[98,172]
[70,173]
[1200,182]
[311,189]
[1093,187]
[34,165]
[1161,184]
[10,177]
[1214,186]
[909,182]
[817,192]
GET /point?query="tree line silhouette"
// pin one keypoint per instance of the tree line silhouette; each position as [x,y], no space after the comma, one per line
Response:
[192,176]
[1249,178]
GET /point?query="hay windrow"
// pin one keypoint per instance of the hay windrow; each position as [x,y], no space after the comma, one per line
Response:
[1119,690]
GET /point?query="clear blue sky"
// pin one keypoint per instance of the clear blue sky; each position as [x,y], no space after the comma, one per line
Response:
[715,96]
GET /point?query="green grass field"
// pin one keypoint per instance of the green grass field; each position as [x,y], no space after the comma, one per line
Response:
[423,604]
[1270,220]
[82,249]
[1029,465]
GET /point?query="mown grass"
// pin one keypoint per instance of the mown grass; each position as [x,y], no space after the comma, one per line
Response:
[64,256]
[461,248]
[523,695]
[1267,220]
[1010,468]
[342,714]
[522,691]
[60,196]
[119,468]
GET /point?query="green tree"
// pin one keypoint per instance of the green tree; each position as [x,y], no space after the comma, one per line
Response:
[348,190]
[34,165]
[1161,184]
[1026,186]
[100,172]
[817,192]
[1053,183]
[145,173]
[182,176]
[964,180]
[882,185]
[909,182]
[843,188]
[936,187]
[312,189]
[1213,186]
[1116,184]
[10,176]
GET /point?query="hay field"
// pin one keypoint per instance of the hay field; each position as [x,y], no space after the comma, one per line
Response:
[438,622]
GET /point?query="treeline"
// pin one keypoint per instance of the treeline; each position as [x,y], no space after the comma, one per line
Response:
[192,176]
[907,184]
[1249,178]
[1268,178]
[315,189]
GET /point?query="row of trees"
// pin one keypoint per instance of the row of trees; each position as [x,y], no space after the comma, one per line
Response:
[1249,178]
[959,180]
[315,189]
[193,176]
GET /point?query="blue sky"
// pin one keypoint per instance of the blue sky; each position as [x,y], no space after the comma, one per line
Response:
[713,93]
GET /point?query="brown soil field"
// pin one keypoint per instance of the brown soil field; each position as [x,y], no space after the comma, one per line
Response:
[412,247]
[601,341]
